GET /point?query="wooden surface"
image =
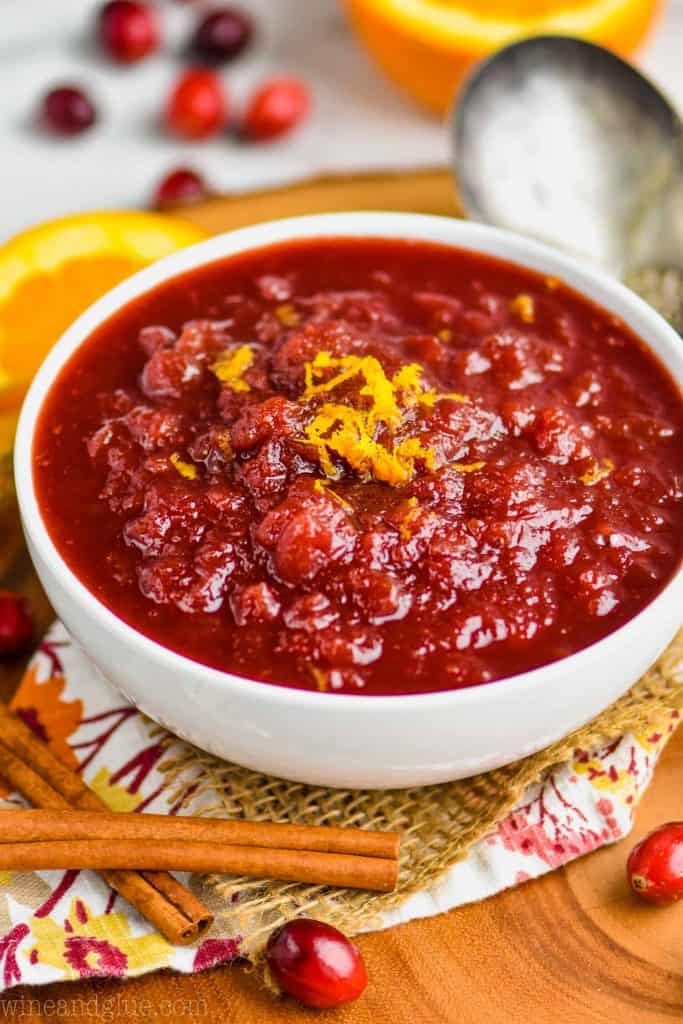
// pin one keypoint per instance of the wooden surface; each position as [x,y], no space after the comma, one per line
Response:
[573,947]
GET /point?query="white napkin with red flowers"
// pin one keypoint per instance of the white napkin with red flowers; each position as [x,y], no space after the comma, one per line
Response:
[60,925]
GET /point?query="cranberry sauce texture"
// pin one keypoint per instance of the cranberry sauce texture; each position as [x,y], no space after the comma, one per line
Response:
[365,466]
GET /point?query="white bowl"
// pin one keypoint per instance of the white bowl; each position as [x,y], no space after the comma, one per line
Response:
[340,740]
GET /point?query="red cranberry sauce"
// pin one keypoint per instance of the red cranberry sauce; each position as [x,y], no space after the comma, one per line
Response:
[369,467]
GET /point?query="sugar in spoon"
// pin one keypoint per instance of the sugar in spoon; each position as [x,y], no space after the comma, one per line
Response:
[560,139]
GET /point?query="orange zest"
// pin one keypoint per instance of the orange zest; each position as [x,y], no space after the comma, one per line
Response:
[339,430]
[349,432]
[287,315]
[231,367]
[186,469]
[523,305]
[597,472]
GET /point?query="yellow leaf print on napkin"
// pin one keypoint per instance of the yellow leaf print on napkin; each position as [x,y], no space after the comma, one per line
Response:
[115,796]
[657,733]
[86,946]
[620,782]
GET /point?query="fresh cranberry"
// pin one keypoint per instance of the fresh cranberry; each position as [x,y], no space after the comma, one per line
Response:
[128,30]
[314,963]
[67,111]
[16,627]
[222,34]
[655,865]
[196,107]
[179,188]
[277,107]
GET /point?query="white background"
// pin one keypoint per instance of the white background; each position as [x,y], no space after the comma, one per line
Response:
[359,121]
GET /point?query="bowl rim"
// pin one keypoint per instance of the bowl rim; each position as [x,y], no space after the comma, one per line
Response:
[499,243]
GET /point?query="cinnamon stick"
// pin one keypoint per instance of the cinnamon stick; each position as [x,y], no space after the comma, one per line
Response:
[375,873]
[34,771]
[32,825]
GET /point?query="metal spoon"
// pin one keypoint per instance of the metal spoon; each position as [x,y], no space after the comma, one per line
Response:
[559,138]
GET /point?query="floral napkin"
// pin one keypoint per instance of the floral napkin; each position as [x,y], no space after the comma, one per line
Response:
[60,925]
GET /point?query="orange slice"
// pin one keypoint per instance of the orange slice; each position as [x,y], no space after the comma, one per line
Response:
[51,273]
[427,46]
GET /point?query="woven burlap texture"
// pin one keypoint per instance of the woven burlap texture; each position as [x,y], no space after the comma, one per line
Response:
[438,823]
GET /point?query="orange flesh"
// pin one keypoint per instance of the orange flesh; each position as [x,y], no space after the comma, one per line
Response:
[41,308]
[428,47]
[513,10]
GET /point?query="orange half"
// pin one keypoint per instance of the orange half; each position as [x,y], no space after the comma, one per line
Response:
[51,273]
[427,46]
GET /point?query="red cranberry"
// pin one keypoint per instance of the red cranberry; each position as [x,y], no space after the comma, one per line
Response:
[196,107]
[67,111]
[178,188]
[128,30]
[276,108]
[16,627]
[222,34]
[655,865]
[314,963]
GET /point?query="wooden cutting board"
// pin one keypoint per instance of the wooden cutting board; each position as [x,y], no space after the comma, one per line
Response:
[573,947]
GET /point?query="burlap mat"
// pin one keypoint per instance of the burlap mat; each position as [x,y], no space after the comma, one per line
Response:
[439,823]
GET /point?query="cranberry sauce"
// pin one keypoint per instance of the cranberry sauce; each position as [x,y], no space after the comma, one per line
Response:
[365,467]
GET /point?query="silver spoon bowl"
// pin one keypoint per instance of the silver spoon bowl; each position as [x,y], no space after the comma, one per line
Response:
[560,139]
